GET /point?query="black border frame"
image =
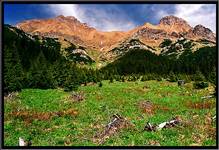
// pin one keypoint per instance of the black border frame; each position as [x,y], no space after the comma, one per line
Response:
[105,2]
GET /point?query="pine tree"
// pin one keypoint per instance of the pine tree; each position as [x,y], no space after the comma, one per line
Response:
[13,72]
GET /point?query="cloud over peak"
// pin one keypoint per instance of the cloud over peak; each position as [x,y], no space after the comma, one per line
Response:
[112,17]
[109,19]
[194,14]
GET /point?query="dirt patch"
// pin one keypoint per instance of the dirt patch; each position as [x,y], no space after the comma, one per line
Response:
[153,143]
[211,132]
[201,105]
[29,116]
[197,138]
[99,97]
[204,132]
[136,90]
[203,126]
[141,91]
[145,88]
[149,108]
[77,96]
[90,83]
[116,124]
[163,108]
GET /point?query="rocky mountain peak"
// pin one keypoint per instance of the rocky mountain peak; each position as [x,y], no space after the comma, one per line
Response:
[203,32]
[174,23]
[67,18]
[169,20]
[199,29]
[71,17]
[60,16]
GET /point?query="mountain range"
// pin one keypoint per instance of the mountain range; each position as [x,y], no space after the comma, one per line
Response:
[71,29]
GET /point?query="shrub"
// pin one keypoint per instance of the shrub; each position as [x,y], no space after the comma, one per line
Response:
[200,85]
[111,80]
[172,77]
[123,79]
[144,78]
[199,76]
[158,78]
[100,84]
[70,87]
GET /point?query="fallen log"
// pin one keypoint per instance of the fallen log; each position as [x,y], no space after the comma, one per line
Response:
[149,127]
[172,123]
[115,125]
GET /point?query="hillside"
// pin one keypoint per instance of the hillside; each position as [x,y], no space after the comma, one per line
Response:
[200,65]
[35,61]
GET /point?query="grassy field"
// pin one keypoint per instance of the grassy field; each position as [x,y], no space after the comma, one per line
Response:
[53,118]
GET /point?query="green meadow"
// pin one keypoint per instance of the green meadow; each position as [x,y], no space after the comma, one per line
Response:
[53,117]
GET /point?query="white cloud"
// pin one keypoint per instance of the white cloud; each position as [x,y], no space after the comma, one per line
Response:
[113,18]
[97,18]
[194,14]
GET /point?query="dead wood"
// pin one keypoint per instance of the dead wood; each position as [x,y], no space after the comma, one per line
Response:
[169,124]
[115,125]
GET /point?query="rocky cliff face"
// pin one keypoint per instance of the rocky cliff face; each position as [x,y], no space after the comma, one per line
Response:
[169,27]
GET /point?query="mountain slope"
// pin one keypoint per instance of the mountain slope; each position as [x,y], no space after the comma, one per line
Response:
[42,62]
[73,30]
[139,61]
[124,47]
[169,27]
[173,49]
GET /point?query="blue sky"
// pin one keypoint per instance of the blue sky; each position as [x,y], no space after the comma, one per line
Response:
[112,17]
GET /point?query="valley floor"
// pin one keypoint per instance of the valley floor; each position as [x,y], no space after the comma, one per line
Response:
[54,118]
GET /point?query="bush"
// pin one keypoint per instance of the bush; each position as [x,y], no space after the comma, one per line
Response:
[123,79]
[159,78]
[200,85]
[212,76]
[100,84]
[186,78]
[172,77]
[70,87]
[144,78]
[198,76]
[111,80]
